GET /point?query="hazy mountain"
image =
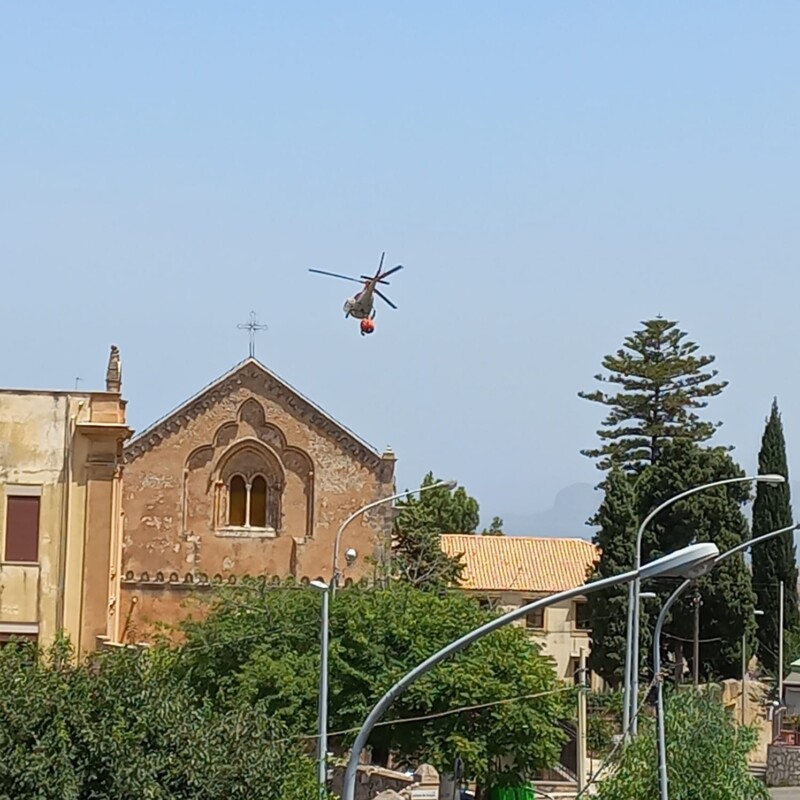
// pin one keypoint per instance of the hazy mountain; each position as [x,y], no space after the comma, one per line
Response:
[573,506]
[567,518]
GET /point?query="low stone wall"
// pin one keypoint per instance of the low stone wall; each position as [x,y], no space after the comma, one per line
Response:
[371,781]
[783,765]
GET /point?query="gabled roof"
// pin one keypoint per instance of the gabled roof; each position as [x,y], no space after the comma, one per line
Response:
[275,387]
[521,563]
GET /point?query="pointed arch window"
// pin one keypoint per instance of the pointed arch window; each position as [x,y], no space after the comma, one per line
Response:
[237,502]
[258,502]
[253,504]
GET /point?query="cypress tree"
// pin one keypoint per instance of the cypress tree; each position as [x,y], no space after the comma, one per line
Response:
[775,560]
[660,383]
[607,609]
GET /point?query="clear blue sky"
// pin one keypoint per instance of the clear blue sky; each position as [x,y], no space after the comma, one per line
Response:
[549,173]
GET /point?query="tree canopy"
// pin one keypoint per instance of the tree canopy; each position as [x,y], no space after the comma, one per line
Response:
[706,755]
[417,555]
[659,383]
[775,560]
[608,608]
[260,645]
[713,515]
[124,724]
[709,516]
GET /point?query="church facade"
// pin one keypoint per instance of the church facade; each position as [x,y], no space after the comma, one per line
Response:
[246,478]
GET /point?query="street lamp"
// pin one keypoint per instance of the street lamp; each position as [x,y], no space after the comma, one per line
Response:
[322,739]
[335,571]
[692,561]
[662,742]
[330,589]
[631,693]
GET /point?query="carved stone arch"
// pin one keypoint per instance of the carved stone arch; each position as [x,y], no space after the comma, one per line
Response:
[272,436]
[251,481]
[199,457]
[298,463]
[225,434]
[249,457]
[252,412]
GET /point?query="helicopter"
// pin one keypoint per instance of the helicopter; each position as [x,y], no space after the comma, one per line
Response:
[361,305]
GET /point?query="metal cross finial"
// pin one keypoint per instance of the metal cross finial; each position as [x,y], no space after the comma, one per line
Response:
[253,327]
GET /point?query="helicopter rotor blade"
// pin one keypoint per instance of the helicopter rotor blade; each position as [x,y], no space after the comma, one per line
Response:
[390,271]
[335,275]
[380,266]
[373,278]
[385,299]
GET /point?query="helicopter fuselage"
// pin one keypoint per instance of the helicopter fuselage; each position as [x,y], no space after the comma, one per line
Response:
[360,306]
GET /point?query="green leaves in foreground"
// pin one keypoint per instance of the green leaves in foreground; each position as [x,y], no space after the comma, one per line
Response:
[706,755]
[123,725]
[261,644]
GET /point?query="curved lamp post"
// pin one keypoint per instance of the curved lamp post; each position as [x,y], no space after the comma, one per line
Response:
[663,783]
[631,693]
[328,590]
[692,561]
[335,571]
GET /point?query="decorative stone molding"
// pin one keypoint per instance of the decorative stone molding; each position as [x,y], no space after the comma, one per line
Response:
[272,388]
[195,580]
[246,533]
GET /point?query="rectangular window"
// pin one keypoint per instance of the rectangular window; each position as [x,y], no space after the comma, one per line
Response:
[582,617]
[534,621]
[22,529]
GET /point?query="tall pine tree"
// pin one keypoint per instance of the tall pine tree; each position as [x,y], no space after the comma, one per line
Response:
[652,445]
[774,561]
[660,382]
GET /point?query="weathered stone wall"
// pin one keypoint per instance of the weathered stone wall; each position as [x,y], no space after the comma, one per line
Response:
[783,765]
[176,485]
[371,781]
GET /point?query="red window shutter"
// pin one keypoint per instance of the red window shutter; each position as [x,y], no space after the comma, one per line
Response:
[22,529]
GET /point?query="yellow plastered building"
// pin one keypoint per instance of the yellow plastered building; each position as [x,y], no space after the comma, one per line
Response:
[506,572]
[60,512]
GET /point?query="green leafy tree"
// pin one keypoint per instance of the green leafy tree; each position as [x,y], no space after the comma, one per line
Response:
[124,724]
[714,515]
[706,753]
[774,561]
[495,528]
[260,647]
[442,509]
[608,608]
[417,555]
[659,383]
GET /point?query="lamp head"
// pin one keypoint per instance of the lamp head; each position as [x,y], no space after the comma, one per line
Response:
[319,585]
[647,595]
[450,484]
[758,612]
[688,562]
[350,556]
[771,478]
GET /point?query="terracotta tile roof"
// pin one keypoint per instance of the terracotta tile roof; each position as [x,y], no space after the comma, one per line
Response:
[521,563]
